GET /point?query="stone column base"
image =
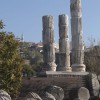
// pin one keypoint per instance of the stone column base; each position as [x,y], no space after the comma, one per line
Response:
[67,69]
[51,66]
[78,67]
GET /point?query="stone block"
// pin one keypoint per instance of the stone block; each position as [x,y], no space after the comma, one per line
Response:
[56,91]
[48,96]
[4,95]
[33,96]
[94,84]
[83,93]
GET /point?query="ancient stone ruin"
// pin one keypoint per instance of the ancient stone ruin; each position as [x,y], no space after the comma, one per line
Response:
[83,94]
[48,43]
[62,81]
[64,46]
[77,41]
[74,70]
[4,95]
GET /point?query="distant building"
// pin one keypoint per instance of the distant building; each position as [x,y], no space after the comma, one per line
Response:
[19,39]
[39,46]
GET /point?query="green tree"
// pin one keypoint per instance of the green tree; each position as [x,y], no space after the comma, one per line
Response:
[1,24]
[11,64]
[33,55]
[28,71]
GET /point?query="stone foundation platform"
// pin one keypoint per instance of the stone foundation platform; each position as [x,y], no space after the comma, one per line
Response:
[62,74]
[70,82]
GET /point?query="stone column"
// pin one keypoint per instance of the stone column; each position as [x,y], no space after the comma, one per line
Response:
[64,47]
[48,43]
[77,41]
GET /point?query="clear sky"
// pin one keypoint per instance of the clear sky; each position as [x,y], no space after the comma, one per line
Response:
[25,16]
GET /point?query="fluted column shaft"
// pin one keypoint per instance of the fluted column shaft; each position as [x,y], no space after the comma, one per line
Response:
[64,47]
[77,38]
[48,43]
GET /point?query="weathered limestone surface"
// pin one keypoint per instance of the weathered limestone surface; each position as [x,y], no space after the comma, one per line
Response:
[56,91]
[48,43]
[48,96]
[77,41]
[64,47]
[83,94]
[94,84]
[4,95]
[33,96]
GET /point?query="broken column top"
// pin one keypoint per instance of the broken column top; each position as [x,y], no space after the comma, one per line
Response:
[63,19]
[76,8]
[48,22]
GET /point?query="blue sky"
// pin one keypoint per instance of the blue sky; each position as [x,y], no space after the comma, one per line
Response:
[25,16]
